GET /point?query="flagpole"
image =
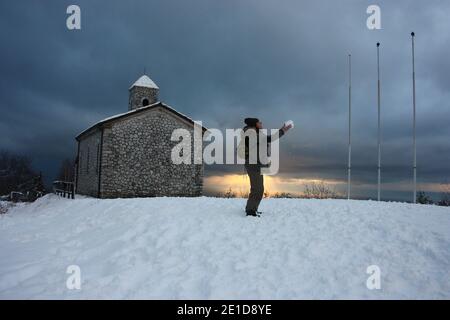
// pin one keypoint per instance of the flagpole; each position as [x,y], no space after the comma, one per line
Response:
[379,124]
[349,172]
[414,121]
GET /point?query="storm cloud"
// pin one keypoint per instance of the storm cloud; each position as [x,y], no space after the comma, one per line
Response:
[220,61]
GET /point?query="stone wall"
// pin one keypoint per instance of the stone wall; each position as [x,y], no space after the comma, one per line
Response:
[88,164]
[137,161]
[138,94]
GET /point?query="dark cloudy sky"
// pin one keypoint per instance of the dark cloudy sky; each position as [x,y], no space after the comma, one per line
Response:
[222,60]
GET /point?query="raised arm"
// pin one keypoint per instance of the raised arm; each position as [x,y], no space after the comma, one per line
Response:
[281,132]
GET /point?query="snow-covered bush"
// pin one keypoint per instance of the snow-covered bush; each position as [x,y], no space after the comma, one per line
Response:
[4,206]
[229,194]
[423,198]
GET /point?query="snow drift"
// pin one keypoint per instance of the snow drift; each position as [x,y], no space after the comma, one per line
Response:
[206,248]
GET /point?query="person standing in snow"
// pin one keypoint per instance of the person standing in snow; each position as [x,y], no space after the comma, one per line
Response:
[254,170]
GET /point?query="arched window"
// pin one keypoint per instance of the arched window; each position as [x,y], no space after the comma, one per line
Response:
[145,102]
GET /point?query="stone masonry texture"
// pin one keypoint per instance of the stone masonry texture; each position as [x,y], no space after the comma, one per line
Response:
[136,158]
[138,94]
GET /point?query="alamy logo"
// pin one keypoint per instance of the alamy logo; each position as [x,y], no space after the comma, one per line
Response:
[258,150]
[73,21]
[374,280]
[374,20]
[73,282]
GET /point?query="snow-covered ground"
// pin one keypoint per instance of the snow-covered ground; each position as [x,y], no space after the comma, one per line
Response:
[205,248]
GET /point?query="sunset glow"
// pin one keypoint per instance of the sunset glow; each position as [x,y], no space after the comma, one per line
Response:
[240,184]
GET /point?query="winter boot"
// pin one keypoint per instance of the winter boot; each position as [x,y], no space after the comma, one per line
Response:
[252,213]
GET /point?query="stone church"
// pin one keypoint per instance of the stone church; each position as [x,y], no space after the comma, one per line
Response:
[129,154]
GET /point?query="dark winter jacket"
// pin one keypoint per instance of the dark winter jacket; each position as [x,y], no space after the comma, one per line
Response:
[247,141]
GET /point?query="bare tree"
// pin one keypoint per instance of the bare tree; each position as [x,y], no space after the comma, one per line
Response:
[66,170]
[15,170]
[445,195]
[319,191]
[282,195]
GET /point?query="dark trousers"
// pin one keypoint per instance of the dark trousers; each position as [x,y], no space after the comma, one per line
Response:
[256,187]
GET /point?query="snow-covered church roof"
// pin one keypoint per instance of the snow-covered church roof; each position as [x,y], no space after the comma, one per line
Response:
[144,81]
[137,111]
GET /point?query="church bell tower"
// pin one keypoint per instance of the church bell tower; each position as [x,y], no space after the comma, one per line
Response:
[143,92]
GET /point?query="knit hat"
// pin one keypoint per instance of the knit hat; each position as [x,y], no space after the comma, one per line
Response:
[251,122]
